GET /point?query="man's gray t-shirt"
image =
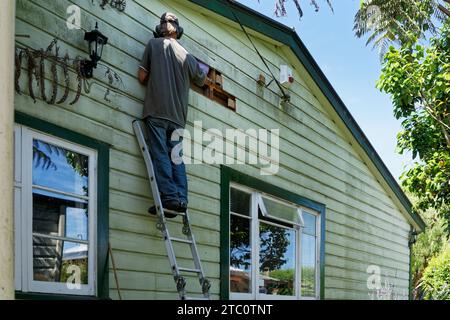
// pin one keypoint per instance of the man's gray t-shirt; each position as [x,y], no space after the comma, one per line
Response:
[171,69]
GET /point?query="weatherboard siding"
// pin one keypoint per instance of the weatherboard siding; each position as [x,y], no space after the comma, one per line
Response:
[363,225]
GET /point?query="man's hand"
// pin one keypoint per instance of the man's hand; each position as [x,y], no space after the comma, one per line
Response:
[208,81]
[143,76]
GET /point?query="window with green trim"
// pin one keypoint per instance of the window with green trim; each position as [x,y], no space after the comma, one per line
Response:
[274,247]
[55,204]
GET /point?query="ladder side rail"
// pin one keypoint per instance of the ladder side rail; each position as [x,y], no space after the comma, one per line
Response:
[139,129]
[137,125]
[195,255]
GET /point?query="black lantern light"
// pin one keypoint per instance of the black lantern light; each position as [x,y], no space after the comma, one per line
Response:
[96,42]
[412,237]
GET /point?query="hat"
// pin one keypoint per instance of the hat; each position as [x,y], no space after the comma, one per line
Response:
[169,17]
[167,21]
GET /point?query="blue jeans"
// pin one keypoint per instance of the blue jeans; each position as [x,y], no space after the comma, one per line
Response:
[170,170]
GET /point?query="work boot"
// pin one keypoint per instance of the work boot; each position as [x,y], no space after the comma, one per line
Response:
[172,205]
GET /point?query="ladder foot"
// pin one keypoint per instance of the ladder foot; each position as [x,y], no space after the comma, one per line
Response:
[206,285]
[181,284]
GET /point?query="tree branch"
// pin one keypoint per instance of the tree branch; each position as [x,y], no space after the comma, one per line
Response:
[444,9]
[446,135]
[442,124]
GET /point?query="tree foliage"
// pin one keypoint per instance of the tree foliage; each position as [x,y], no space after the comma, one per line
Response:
[274,242]
[429,245]
[396,21]
[384,21]
[418,80]
[281,11]
[436,278]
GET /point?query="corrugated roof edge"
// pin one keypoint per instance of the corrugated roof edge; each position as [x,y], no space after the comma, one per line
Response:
[278,31]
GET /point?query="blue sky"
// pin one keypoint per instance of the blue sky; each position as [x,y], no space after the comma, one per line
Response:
[351,67]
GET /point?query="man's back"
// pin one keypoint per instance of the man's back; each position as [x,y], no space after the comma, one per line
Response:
[171,69]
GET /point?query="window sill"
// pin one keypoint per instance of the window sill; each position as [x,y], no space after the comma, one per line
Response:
[52,296]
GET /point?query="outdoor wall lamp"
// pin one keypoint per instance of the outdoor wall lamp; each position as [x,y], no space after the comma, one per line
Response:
[96,42]
[412,237]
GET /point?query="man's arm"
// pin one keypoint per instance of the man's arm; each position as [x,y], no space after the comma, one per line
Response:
[143,76]
[196,73]
[144,67]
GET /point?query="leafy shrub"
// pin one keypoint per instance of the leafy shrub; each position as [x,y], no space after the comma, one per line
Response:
[429,244]
[436,278]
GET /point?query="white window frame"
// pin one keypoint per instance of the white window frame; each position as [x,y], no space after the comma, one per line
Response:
[23,214]
[256,201]
[318,248]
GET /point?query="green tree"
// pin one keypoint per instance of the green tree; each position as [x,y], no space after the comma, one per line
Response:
[429,244]
[418,80]
[273,246]
[280,6]
[396,21]
[386,21]
[436,278]
[285,281]
[274,242]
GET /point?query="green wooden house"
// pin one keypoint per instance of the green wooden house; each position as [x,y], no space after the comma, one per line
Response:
[316,216]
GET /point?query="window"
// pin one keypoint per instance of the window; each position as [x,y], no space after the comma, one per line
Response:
[274,247]
[55,203]
[215,91]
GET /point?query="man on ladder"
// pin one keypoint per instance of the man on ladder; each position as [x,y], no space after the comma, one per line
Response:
[166,70]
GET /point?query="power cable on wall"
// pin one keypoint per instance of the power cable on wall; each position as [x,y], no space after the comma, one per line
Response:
[285,96]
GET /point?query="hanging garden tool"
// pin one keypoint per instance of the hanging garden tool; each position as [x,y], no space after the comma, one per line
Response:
[77,66]
[65,68]
[37,72]
[31,72]
[18,71]
[54,73]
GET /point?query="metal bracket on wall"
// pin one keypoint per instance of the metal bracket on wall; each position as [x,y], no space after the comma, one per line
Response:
[119,5]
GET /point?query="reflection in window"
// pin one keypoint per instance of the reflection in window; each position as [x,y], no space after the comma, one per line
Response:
[308,252]
[57,260]
[273,247]
[281,212]
[310,224]
[60,214]
[240,255]
[240,202]
[277,260]
[59,169]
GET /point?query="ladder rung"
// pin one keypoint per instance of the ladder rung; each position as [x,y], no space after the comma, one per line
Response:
[181,240]
[190,270]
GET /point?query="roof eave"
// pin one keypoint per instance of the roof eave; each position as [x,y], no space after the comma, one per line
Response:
[283,34]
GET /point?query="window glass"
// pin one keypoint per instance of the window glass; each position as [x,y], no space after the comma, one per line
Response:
[277,260]
[53,201]
[282,212]
[308,251]
[310,223]
[60,214]
[240,202]
[268,250]
[59,169]
[56,260]
[240,255]
[56,215]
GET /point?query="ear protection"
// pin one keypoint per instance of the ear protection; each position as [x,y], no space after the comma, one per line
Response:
[168,17]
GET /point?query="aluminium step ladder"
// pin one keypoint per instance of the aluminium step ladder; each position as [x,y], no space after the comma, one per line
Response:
[140,130]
